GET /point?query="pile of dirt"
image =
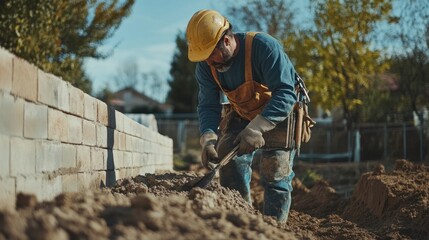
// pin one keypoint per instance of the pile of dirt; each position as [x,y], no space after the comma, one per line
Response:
[154,206]
[384,205]
[395,203]
[388,205]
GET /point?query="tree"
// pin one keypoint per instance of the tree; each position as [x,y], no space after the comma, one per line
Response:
[410,44]
[339,61]
[127,74]
[274,17]
[183,94]
[57,35]
[154,84]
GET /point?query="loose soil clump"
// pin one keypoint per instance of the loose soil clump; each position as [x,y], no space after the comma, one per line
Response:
[384,205]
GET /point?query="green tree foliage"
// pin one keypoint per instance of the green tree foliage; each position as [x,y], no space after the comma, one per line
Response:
[339,61]
[56,35]
[183,94]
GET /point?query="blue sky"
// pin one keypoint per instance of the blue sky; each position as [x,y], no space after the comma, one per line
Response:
[147,37]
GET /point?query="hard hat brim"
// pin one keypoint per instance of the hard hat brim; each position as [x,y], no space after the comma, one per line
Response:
[199,56]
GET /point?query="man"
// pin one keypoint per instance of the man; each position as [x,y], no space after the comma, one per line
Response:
[258,79]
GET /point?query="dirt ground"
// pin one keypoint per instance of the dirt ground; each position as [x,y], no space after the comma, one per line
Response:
[385,204]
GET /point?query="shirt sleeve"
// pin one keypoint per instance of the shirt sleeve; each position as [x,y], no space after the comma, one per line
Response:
[273,68]
[209,106]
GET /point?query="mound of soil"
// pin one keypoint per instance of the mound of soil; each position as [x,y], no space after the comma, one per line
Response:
[384,205]
[395,203]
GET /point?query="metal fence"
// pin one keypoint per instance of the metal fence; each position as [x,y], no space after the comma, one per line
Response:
[368,142]
[330,143]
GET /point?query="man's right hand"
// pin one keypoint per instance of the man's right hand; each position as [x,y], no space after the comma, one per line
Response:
[209,155]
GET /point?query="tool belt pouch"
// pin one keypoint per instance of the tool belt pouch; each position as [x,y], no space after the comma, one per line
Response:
[304,123]
[307,124]
[283,135]
[293,131]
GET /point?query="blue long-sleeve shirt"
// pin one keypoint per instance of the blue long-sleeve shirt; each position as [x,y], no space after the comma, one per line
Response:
[270,66]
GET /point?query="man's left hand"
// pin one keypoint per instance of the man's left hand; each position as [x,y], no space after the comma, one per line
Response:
[250,138]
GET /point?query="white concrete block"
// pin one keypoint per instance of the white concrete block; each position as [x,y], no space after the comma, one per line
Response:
[139,159]
[102,113]
[32,184]
[69,156]
[35,121]
[90,108]
[119,119]
[118,160]
[138,145]
[151,159]
[77,101]
[24,80]
[122,141]
[6,69]
[147,169]
[128,125]
[128,142]
[101,135]
[64,96]
[7,193]
[128,159]
[135,171]
[4,155]
[69,183]
[145,146]
[48,156]
[98,179]
[74,129]
[89,136]
[84,181]
[83,158]
[11,115]
[51,187]
[98,159]
[57,125]
[116,139]
[53,91]
[22,156]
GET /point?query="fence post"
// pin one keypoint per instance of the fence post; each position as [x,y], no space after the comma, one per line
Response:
[421,142]
[357,147]
[181,136]
[349,144]
[328,140]
[385,141]
[404,135]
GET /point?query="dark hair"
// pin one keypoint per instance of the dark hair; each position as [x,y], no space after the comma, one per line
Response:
[227,32]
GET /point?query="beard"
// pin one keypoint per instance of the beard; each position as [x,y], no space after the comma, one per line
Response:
[226,61]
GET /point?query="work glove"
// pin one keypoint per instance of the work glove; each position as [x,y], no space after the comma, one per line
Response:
[209,155]
[250,138]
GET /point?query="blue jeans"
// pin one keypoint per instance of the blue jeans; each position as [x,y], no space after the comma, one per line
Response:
[275,168]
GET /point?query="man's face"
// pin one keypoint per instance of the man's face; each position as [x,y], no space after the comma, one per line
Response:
[221,57]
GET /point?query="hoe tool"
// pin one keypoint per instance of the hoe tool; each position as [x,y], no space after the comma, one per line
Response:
[206,179]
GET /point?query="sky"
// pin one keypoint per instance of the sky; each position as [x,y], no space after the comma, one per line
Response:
[147,36]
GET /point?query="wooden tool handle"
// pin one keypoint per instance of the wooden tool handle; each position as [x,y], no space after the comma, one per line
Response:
[228,157]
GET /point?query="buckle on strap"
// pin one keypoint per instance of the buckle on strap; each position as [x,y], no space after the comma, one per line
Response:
[302,88]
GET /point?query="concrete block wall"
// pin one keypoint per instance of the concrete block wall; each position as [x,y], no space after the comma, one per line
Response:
[54,138]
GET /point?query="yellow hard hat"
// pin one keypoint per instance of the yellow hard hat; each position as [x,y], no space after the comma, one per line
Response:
[203,32]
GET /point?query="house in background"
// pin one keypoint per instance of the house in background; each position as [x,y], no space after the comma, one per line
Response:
[129,100]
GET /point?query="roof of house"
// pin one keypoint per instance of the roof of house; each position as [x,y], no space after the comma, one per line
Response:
[123,97]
